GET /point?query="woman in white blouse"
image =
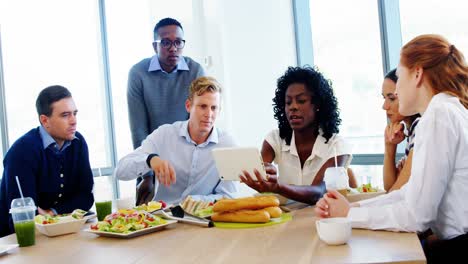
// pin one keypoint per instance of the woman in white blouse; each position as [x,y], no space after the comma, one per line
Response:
[432,81]
[305,143]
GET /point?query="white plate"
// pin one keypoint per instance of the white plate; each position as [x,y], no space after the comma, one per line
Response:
[5,248]
[134,233]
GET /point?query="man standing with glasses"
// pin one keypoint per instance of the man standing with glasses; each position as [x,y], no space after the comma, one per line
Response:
[158,86]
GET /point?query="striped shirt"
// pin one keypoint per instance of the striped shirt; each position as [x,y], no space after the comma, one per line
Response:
[411,135]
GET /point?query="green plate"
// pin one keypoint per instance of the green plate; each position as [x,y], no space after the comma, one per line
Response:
[285,217]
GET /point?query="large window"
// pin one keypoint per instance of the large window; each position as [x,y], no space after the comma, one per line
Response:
[448,18]
[54,42]
[347,50]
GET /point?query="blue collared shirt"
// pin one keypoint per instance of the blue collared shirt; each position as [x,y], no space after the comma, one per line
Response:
[49,142]
[156,66]
[195,168]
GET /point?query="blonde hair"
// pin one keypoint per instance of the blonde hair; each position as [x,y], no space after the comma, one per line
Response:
[444,66]
[202,85]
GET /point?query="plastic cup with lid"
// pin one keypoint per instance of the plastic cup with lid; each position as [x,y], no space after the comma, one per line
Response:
[23,211]
[336,178]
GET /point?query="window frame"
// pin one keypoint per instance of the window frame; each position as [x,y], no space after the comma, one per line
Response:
[3,117]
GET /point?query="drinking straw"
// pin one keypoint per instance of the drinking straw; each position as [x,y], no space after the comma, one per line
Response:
[21,191]
[336,162]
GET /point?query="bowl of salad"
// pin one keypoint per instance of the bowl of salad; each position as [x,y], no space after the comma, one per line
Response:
[363,192]
[61,224]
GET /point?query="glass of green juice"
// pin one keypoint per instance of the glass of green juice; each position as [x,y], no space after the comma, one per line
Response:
[103,208]
[23,211]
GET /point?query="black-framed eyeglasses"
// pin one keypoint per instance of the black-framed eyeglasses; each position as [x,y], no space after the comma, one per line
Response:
[167,44]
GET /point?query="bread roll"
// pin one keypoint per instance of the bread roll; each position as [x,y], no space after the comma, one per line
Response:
[250,203]
[242,216]
[274,211]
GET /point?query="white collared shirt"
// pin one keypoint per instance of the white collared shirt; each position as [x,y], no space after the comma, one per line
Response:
[289,164]
[435,195]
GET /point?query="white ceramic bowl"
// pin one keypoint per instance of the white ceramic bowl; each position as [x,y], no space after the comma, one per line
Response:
[64,226]
[334,231]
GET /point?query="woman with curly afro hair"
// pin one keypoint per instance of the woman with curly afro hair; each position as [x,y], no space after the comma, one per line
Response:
[304,144]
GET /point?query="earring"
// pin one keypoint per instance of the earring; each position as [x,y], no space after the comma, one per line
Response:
[318,109]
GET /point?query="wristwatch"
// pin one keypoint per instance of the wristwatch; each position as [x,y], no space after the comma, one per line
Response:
[148,159]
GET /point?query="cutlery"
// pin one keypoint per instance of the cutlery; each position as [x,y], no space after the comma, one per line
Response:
[205,222]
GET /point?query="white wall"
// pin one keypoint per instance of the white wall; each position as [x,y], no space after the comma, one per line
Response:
[250,44]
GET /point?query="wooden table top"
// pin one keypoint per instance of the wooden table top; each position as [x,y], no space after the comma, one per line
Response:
[293,242]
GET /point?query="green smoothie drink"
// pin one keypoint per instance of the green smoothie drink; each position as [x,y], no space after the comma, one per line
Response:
[25,233]
[103,208]
[22,211]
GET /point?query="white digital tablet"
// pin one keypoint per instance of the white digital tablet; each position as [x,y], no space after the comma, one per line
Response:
[230,162]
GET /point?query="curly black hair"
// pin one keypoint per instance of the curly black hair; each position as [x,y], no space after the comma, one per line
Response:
[328,118]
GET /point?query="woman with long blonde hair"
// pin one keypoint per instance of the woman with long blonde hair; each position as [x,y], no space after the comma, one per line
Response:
[432,81]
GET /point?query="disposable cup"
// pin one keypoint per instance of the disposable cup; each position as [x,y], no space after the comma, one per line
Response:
[103,208]
[23,211]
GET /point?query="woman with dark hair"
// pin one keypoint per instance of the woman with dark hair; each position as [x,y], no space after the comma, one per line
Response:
[432,81]
[305,142]
[396,175]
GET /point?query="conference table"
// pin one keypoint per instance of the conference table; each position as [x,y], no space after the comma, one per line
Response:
[295,241]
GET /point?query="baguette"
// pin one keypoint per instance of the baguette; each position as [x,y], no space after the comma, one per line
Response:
[242,216]
[249,203]
[274,211]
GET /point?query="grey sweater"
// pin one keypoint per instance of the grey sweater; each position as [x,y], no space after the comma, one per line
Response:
[156,98]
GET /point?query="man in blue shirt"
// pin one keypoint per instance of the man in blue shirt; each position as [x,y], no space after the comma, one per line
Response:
[180,153]
[51,162]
